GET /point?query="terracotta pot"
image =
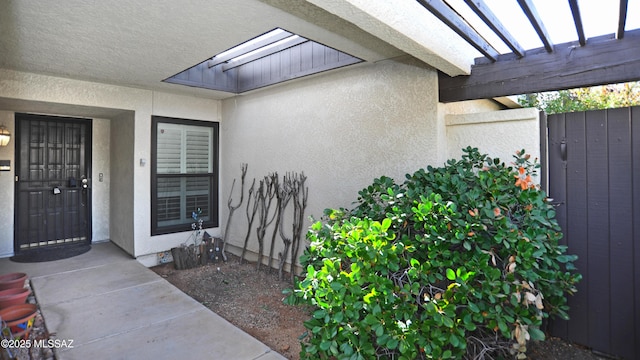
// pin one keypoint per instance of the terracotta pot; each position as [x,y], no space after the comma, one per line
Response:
[12,280]
[18,320]
[15,296]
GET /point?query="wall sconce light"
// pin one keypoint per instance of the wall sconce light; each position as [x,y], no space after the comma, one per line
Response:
[5,136]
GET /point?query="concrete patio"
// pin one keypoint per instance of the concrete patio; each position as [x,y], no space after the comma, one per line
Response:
[112,307]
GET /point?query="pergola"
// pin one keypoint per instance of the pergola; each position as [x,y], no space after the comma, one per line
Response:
[586,62]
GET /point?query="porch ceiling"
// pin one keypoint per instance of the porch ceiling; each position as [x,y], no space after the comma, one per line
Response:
[139,43]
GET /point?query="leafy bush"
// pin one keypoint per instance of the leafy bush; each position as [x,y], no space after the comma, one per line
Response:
[460,261]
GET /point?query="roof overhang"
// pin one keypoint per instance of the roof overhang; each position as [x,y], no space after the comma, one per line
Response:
[408,27]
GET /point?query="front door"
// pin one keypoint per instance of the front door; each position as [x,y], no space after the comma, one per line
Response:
[53,192]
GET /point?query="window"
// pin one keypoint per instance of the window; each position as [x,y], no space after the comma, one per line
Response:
[184,174]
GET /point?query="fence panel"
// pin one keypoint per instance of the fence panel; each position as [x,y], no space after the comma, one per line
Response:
[594,179]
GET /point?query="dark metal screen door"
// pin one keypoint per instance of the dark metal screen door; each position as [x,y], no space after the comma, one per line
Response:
[53,193]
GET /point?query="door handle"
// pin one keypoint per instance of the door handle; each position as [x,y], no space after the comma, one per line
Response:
[555,203]
[84,185]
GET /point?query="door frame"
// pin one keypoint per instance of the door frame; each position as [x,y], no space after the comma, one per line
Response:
[19,117]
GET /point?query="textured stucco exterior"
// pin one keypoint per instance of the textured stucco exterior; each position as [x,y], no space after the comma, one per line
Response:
[6,189]
[387,20]
[470,107]
[100,190]
[122,220]
[496,133]
[342,130]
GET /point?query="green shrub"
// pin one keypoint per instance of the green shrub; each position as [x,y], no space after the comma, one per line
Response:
[458,261]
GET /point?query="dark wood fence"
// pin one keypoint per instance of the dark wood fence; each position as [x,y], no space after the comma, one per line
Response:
[594,178]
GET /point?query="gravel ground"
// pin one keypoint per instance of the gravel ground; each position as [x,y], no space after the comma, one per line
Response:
[249,299]
[252,300]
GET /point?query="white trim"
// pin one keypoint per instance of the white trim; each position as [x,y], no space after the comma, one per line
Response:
[491,117]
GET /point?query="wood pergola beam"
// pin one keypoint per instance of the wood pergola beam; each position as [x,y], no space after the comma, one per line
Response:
[489,18]
[443,12]
[622,19]
[605,60]
[577,20]
[532,14]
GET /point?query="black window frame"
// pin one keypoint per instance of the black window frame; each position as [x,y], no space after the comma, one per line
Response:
[213,176]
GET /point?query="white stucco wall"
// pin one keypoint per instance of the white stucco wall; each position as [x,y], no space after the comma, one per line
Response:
[6,189]
[470,107]
[342,129]
[496,133]
[122,218]
[100,190]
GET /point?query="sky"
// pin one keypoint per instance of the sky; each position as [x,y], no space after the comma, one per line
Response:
[599,17]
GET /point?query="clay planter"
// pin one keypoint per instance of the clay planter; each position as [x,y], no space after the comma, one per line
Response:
[18,319]
[12,280]
[15,296]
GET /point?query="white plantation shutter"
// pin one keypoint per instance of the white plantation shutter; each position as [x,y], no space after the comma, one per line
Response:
[169,150]
[182,152]
[198,151]
[184,149]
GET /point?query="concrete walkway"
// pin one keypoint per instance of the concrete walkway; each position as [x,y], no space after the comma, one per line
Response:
[113,307]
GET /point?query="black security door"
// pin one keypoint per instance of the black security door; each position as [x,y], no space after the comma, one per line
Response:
[53,192]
